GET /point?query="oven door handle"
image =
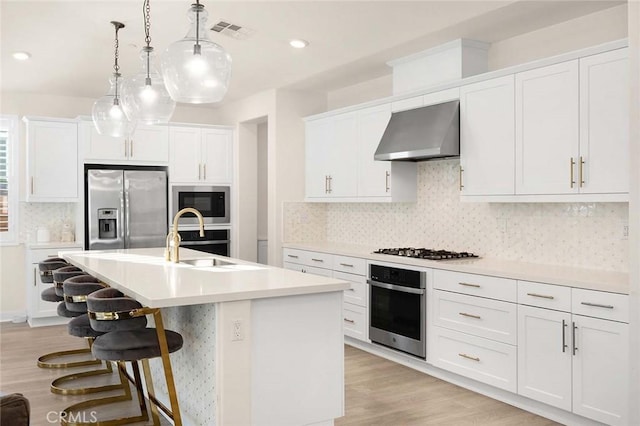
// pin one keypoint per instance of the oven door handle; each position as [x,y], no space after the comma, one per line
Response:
[396,287]
[202,243]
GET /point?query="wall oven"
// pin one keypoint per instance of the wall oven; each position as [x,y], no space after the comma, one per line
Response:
[211,201]
[215,241]
[397,307]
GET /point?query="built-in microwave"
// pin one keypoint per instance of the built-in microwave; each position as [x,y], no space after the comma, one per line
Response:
[211,201]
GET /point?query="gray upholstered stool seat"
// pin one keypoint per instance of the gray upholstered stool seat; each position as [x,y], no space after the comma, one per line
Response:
[81,327]
[49,295]
[76,290]
[62,311]
[47,267]
[60,275]
[133,345]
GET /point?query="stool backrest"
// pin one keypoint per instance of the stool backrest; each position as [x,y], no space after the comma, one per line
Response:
[47,267]
[109,311]
[76,289]
[60,275]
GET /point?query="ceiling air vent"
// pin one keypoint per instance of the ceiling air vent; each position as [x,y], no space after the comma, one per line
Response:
[232,30]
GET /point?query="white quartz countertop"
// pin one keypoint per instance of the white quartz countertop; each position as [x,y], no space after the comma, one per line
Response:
[593,279]
[145,275]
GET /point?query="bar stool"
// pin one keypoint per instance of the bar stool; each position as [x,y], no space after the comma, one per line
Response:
[46,268]
[126,338]
[59,275]
[76,289]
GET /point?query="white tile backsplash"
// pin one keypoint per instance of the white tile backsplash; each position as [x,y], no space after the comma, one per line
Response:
[49,215]
[574,234]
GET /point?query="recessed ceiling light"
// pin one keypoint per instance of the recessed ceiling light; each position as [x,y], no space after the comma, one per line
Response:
[21,56]
[299,43]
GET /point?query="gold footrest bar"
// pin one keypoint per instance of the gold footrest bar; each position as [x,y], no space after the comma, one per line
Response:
[43,361]
[124,377]
[57,389]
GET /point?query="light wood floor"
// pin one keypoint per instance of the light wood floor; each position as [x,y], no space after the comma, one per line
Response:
[378,392]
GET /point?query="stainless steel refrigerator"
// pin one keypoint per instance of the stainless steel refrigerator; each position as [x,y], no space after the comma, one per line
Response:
[125,208]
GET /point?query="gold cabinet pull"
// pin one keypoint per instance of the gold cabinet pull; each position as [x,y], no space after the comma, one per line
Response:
[581,171]
[317,260]
[347,265]
[199,171]
[564,339]
[470,285]
[126,148]
[544,296]
[35,280]
[573,338]
[31,185]
[386,181]
[131,148]
[473,358]
[460,178]
[572,164]
[464,314]
[292,255]
[350,321]
[204,171]
[330,183]
[597,305]
[326,184]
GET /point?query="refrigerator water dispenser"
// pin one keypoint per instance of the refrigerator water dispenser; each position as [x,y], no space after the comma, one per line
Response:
[107,224]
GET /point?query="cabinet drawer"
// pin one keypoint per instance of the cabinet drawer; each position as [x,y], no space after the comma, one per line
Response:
[480,359]
[318,260]
[354,319]
[476,285]
[317,271]
[357,294]
[293,255]
[293,266]
[600,304]
[481,317]
[544,295]
[351,265]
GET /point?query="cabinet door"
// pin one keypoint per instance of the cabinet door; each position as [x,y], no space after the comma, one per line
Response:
[600,370]
[52,161]
[184,159]
[604,123]
[342,157]
[217,155]
[487,139]
[544,356]
[99,148]
[547,129]
[149,144]
[318,134]
[374,179]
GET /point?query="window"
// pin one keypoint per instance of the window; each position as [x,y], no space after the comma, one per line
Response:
[8,179]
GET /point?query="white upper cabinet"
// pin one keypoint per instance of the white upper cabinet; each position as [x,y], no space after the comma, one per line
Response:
[147,145]
[375,176]
[546,129]
[52,160]
[604,123]
[200,155]
[340,164]
[487,137]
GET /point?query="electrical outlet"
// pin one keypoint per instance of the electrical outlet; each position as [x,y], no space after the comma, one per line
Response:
[238,331]
[624,232]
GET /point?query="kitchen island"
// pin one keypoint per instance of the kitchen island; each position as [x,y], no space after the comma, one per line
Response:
[262,345]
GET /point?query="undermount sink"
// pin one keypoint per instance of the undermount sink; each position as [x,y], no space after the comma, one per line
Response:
[207,262]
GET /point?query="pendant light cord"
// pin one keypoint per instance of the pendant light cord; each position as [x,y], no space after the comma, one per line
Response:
[116,67]
[198,7]
[146,12]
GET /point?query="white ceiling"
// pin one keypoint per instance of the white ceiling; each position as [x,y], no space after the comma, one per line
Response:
[350,41]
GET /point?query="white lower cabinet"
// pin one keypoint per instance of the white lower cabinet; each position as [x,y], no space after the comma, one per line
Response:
[355,308]
[575,362]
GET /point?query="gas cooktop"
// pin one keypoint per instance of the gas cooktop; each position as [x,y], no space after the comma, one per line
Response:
[423,253]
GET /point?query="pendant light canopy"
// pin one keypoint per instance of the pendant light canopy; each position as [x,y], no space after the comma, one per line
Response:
[145,96]
[108,115]
[195,69]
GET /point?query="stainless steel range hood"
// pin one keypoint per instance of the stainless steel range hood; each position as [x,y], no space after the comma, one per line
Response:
[422,134]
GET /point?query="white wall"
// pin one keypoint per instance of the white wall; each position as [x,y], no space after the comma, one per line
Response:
[634,212]
[263,179]
[247,183]
[12,258]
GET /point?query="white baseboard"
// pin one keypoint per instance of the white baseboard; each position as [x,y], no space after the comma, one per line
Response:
[46,321]
[13,316]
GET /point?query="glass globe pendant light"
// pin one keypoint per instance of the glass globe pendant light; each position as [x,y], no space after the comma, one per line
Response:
[145,97]
[107,113]
[195,69]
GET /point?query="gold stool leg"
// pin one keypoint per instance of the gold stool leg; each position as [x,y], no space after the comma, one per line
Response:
[60,390]
[68,419]
[43,361]
[150,391]
[168,373]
